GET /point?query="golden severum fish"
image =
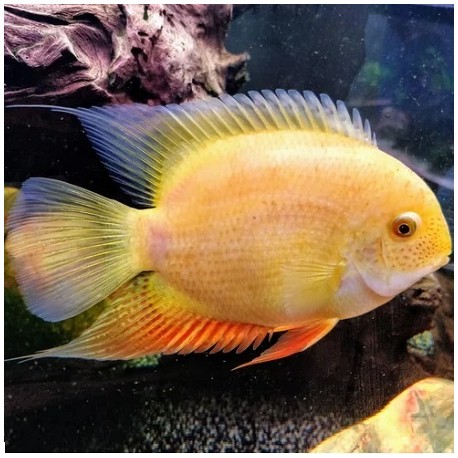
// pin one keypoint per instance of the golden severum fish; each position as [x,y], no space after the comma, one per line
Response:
[263,213]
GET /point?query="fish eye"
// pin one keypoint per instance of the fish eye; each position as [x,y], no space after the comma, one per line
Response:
[405,225]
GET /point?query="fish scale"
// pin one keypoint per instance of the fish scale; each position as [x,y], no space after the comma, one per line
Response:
[276,219]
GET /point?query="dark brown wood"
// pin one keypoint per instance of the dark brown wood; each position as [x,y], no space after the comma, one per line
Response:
[88,54]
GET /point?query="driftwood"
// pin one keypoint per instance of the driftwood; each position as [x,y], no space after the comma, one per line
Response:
[90,54]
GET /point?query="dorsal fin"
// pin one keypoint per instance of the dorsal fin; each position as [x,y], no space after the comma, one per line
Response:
[139,143]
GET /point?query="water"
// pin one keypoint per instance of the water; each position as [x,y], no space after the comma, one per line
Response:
[395,64]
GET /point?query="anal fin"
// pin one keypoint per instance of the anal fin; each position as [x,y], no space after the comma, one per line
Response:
[294,341]
[146,317]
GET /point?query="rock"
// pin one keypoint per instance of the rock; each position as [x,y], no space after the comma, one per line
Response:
[95,54]
[419,420]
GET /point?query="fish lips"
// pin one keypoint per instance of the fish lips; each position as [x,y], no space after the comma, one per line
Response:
[392,283]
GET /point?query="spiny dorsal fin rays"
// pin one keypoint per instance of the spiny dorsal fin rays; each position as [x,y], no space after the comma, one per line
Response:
[332,116]
[140,144]
[264,110]
[317,111]
[279,110]
[255,116]
[344,119]
[289,104]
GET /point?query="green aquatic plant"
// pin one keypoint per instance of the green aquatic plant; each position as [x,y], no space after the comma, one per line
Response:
[144,362]
[372,73]
[25,333]
[434,61]
[422,344]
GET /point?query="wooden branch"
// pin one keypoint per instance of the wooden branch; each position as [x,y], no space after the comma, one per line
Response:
[89,54]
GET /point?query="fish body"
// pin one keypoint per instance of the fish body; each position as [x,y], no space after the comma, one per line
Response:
[236,229]
[268,213]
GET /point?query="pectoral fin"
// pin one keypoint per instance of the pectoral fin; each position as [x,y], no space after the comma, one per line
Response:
[295,341]
[310,285]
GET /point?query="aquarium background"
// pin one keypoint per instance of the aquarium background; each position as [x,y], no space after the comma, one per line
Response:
[395,64]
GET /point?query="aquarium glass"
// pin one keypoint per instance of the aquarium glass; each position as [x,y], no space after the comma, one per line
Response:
[394,63]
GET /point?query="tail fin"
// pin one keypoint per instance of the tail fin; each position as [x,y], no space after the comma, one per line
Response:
[69,247]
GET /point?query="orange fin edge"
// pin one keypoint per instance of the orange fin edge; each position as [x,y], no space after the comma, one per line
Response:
[294,341]
[145,317]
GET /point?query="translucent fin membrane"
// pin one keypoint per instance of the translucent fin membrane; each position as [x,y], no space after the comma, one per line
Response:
[146,317]
[70,248]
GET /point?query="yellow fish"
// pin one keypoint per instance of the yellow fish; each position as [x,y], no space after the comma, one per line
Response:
[263,213]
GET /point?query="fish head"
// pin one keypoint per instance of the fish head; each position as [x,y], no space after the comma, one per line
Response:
[405,238]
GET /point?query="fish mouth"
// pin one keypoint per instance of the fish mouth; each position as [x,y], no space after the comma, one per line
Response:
[396,282]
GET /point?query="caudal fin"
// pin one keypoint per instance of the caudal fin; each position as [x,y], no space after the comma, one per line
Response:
[69,247]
